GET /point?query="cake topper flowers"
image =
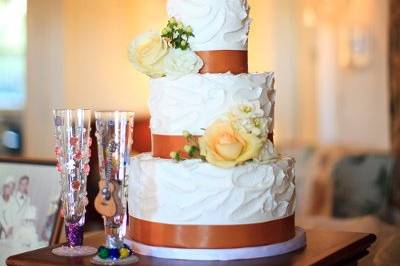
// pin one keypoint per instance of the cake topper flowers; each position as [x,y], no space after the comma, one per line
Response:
[233,139]
[165,54]
[177,34]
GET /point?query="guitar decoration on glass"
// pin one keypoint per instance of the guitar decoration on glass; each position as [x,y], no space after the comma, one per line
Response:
[72,134]
[106,201]
[114,133]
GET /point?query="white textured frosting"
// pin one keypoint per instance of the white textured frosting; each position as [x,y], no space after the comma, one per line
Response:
[217,24]
[195,192]
[194,101]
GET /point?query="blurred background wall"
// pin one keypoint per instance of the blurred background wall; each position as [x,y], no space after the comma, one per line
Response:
[329,56]
[77,57]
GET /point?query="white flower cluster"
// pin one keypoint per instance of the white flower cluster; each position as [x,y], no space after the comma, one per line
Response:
[249,117]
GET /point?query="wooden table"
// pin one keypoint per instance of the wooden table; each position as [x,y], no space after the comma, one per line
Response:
[323,248]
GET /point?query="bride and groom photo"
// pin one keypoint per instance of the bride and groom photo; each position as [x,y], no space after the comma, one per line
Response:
[15,207]
[28,209]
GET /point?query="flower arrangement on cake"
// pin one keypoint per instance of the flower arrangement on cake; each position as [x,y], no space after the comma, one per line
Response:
[166,53]
[235,138]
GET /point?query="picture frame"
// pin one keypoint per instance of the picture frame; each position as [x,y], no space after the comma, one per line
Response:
[30,205]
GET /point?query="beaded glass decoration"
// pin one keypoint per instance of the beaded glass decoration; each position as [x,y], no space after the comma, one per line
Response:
[113,256]
[72,134]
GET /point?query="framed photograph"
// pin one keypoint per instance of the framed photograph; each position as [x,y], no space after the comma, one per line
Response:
[29,205]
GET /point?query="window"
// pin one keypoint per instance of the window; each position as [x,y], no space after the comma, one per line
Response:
[12,54]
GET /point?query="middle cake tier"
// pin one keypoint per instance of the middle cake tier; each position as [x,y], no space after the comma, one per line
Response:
[192,102]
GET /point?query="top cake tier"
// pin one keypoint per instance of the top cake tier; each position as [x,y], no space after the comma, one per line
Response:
[216,24]
[220,29]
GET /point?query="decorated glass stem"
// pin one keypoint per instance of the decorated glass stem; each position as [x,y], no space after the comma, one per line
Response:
[72,149]
[114,132]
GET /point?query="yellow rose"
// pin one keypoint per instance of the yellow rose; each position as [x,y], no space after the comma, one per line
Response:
[225,146]
[147,53]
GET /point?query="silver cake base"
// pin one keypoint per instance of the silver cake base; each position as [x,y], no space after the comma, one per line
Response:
[297,242]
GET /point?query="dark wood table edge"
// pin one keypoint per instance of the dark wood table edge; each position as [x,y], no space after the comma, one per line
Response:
[343,257]
[10,259]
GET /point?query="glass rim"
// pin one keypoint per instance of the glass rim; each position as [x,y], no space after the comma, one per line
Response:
[71,109]
[114,111]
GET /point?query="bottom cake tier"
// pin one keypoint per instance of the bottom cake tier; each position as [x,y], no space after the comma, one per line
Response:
[193,204]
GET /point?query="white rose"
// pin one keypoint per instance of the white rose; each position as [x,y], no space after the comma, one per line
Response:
[181,62]
[268,153]
[147,53]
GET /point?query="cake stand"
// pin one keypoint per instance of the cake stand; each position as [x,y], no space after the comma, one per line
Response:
[297,242]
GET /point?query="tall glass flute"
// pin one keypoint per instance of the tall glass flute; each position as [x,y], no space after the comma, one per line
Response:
[114,133]
[72,133]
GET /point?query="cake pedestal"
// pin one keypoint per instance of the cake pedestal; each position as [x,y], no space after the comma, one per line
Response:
[293,244]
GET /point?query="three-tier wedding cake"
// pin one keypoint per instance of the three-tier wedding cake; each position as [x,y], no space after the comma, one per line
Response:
[214,181]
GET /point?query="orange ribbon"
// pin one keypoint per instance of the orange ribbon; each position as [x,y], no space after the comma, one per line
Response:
[211,236]
[221,61]
[162,145]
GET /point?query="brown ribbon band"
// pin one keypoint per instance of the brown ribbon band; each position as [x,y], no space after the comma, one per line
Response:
[221,61]
[162,145]
[211,236]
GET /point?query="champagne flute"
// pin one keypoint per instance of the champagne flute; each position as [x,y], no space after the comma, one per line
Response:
[114,133]
[72,134]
